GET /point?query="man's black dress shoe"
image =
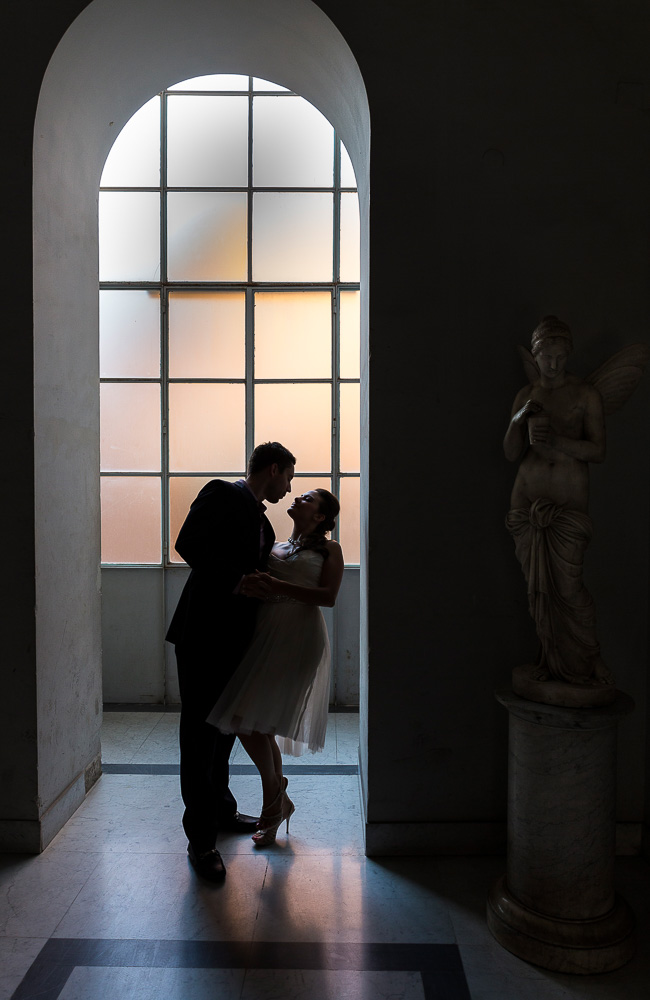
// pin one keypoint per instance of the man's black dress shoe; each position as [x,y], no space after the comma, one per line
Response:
[239,823]
[208,864]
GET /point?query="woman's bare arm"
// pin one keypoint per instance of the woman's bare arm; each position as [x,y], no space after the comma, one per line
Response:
[264,586]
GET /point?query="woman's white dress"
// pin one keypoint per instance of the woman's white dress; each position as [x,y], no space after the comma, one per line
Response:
[282,684]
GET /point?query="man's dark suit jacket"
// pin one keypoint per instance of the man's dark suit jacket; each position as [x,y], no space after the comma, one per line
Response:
[220,541]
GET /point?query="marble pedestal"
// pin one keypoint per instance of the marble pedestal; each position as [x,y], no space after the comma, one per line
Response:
[556,906]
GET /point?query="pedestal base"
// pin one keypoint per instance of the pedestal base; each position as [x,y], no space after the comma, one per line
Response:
[550,692]
[577,946]
[556,905]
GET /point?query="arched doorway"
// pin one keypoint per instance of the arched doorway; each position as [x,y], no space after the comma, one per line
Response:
[210,343]
[108,63]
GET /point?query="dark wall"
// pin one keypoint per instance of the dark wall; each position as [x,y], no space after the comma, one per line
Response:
[509,162]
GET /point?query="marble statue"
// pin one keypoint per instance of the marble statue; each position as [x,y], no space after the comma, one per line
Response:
[557,428]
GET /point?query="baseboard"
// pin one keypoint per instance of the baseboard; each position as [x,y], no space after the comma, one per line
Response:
[93,772]
[64,806]
[20,836]
[147,706]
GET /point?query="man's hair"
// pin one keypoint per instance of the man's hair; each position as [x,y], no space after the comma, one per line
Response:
[270,453]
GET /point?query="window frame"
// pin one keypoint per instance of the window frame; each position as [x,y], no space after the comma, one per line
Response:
[249,287]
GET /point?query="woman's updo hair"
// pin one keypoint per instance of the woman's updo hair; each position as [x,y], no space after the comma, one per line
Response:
[329,506]
[550,328]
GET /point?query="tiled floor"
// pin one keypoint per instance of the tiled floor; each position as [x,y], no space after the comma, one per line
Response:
[112,909]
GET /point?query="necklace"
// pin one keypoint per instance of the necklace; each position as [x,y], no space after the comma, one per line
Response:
[293,542]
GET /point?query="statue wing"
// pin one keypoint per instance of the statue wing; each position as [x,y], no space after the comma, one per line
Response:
[617,378]
[530,368]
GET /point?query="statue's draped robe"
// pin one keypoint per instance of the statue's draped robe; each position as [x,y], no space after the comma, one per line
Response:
[550,543]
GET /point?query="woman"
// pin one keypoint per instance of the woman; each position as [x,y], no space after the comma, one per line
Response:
[281,686]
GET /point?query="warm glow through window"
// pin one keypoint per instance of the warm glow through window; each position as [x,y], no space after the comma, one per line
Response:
[229,307]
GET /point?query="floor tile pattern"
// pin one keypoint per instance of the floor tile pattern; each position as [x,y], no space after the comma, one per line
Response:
[82,968]
[112,909]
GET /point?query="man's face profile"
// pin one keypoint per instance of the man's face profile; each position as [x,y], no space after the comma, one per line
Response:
[280,483]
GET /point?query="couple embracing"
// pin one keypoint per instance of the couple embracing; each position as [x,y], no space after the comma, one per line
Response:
[251,646]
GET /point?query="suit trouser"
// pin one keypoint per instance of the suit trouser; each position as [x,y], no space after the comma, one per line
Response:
[204,754]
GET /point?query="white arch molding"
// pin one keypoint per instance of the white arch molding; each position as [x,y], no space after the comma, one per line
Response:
[114,57]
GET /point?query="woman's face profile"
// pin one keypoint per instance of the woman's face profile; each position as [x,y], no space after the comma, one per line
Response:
[305,507]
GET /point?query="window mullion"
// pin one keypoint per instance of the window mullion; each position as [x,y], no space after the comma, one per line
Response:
[336,311]
[249,207]
[164,396]
[336,399]
[164,337]
[163,189]
[250,295]
[250,370]
[336,242]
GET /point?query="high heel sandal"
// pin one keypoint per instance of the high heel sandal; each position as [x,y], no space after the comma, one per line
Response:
[281,809]
[288,808]
[270,820]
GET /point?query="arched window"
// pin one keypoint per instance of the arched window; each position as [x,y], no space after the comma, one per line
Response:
[229,307]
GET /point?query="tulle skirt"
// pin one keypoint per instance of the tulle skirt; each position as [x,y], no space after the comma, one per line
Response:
[282,684]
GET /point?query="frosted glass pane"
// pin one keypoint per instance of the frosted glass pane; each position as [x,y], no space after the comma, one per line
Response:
[293,144]
[292,237]
[349,518]
[350,425]
[293,335]
[350,255]
[182,491]
[349,334]
[129,236]
[207,141]
[348,179]
[207,236]
[134,159]
[207,334]
[218,81]
[300,416]
[130,427]
[206,427]
[129,334]
[266,85]
[131,519]
[277,512]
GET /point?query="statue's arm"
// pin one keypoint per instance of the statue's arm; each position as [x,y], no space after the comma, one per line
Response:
[591,447]
[515,440]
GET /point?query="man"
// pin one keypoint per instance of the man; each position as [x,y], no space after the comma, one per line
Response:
[225,536]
